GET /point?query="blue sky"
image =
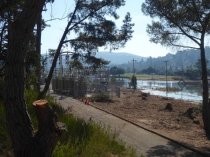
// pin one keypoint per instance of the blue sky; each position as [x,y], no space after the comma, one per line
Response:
[139,44]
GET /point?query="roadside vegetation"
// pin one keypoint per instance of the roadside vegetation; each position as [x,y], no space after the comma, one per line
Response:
[81,139]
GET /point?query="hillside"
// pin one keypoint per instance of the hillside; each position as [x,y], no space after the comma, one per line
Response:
[178,61]
[117,58]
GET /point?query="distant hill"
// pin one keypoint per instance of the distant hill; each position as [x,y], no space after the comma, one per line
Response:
[183,59]
[178,61]
[117,58]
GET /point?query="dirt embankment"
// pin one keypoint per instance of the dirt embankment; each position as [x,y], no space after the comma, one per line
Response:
[176,119]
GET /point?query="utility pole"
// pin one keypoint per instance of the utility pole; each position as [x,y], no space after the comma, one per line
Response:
[166,62]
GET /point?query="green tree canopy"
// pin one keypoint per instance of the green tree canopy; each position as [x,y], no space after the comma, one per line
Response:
[177,21]
[116,70]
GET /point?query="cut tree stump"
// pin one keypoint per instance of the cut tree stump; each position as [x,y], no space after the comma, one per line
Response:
[169,107]
[49,129]
[46,117]
[192,112]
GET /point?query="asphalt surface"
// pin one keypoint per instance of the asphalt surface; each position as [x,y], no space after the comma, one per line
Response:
[144,142]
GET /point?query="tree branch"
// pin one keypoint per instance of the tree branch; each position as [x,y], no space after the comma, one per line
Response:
[206,22]
[53,19]
[105,4]
[180,33]
[197,13]
[181,29]
[183,46]
[57,53]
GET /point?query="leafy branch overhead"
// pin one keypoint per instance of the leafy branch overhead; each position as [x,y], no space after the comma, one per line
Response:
[91,28]
[178,20]
[90,25]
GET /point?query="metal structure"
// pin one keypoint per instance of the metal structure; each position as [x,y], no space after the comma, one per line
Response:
[70,86]
[79,82]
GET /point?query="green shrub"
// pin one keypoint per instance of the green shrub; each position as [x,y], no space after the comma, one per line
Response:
[133,82]
[87,139]
[102,97]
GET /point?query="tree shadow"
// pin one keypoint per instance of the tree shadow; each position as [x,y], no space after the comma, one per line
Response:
[173,150]
[206,150]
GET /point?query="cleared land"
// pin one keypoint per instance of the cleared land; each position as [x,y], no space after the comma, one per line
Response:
[144,142]
[180,121]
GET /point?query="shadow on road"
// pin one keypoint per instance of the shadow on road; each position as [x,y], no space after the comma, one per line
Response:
[171,150]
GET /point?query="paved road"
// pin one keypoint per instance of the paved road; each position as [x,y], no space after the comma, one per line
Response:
[145,143]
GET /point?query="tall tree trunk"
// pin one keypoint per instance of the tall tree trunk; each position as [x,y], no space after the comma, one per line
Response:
[38,51]
[25,144]
[57,53]
[50,75]
[18,121]
[206,106]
